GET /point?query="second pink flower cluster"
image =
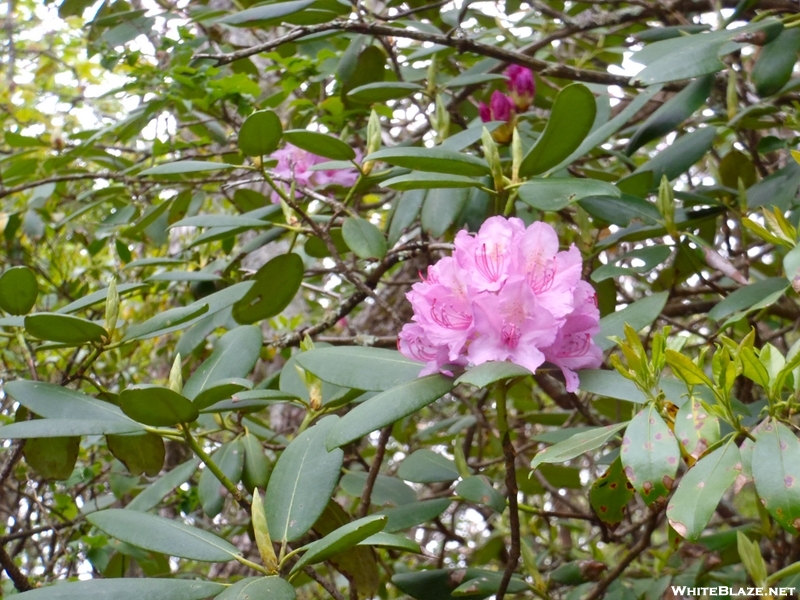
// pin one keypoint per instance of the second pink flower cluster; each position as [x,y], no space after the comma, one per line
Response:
[507,293]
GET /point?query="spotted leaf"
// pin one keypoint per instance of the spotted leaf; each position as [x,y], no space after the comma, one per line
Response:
[611,493]
[696,430]
[650,455]
[776,471]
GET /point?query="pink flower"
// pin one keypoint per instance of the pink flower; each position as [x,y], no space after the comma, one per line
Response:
[295,164]
[521,86]
[507,293]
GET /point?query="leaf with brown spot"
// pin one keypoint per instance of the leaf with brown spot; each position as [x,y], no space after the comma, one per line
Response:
[610,494]
[649,453]
[776,471]
[696,430]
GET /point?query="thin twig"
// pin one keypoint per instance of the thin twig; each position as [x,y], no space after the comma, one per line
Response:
[366,495]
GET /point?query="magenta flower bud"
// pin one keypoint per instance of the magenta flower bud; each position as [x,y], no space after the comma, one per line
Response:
[501,107]
[521,86]
[486,113]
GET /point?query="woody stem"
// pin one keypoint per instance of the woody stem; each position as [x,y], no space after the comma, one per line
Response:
[511,488]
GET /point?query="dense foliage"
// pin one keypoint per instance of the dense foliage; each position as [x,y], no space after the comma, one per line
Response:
[212,212]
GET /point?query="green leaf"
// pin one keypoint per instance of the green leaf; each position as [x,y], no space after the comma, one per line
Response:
[645,259]
[363,238]
[248,401]
[234,356]
[485,374]
[426,466]
[159,534]
[638,315]
[409,515]
[274,286]
[672,113]
[223,389]
[576,445]
[388,407]
[256,470]
[748,297]
[186,166]
[64,329]
[776,472]
[610,494]
[361,368]
[140,453]
[680,155]
[18,290]
[442,208]
[750,555]
[48,428]
[341,539]
[650,455]
[259,16]
[157,406]
[385,490]
[436,160]
[320,144]
[441,584]
[222,221]
[701,489]
[230,459]
[124,289]
[688,60]
[184,276]
[478,489]
[775,62]
[52,458]
[417,180]
[556,193]
[165,322]
[127,589]
[695,429]
[571,119]
[260,133]
[56,402]
[302,482]
[382,91]
[391,541]
[156,491]
[268,588]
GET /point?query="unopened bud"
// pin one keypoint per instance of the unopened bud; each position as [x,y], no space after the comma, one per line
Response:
[492,157]
[112,308]
[176,376]
[442,118]
[666,205]
[732,96]
[373,140]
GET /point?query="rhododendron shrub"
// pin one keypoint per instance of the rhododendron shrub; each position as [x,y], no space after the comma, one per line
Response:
[507,293]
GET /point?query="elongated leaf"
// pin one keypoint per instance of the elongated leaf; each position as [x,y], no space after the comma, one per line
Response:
[341,539]
[441,584]
[576,445]
[230,459]
[221,221]
[361,368]
[185,166]
[363,238]
[776,472]
[383,90]
[126,589]
[610,494]
[426,466]
[650,455]
[695,429]
[260,133]
[65,329]
[167,536]
[478,489]
[442,208]
[274,286]
[392,541]
[638,315]
[388,407]
[557,193]
[776,60]
[747,297]
[571,119]
[407,516]
[701,489]
[252,588]
[221,389]
[123,289]
[437,160]
[490,372]
[302,482]
[262,15]
[385,490]
[157,490]
[157,406]
[48,428]
[320,144]
[57,402]
[234,356]
[418,180]
[682,154]
[18,290]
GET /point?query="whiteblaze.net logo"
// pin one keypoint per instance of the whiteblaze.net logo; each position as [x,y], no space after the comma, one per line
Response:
[722,590]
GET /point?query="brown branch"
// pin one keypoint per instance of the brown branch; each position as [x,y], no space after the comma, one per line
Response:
[366,495]
[327,585]
[511,492]
[544,68]
[21,582]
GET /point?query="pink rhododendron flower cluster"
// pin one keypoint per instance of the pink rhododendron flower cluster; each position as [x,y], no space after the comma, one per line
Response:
[295,163]
[507,293]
